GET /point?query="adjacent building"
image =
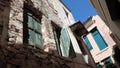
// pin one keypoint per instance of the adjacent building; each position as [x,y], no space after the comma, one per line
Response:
[44,24]
[109,11]
[99,42]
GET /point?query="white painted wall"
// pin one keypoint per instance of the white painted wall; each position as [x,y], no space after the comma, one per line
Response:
[67,20]
[105,33]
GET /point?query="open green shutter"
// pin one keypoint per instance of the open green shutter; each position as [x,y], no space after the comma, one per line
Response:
[65,41]
[57,43]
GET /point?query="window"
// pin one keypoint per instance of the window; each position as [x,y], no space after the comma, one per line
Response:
[88,43]
[56,31]
[32,30]
[66,44]
[98,39]
[108,63]
[98,65]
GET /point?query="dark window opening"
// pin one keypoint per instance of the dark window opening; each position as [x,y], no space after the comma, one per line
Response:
[56,31]
[32,29]
[108,63]
[114,9]
[116,55]
[67,47]
[81,47]
[98,65]
[71,51]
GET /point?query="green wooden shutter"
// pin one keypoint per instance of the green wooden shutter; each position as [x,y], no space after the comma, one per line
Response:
[35,39]
[39,40]
[38,27]
[65,41]
[57,43]
[32,37]
[30,22]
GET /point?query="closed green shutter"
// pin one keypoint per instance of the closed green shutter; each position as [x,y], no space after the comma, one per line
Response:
[39,40]
[65,42]
[98,39]
[88,43]
[34,29]
[32,37]
[30,22]
[38,27]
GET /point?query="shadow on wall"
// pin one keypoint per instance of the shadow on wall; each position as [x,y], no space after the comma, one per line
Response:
[25,56]
[116,56]
[4,19]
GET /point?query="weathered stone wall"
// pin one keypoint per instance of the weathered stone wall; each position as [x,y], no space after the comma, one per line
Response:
[4,19]
[15,26]
[47,34]
[25,56]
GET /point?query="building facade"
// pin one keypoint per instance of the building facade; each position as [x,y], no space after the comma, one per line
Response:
[43,24]
[99,42]
[109,11]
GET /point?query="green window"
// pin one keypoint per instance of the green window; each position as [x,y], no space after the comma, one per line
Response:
[65,39]
[57,40]
[108,63]
[32,30]
[98,65]
[98,39]
[88,43]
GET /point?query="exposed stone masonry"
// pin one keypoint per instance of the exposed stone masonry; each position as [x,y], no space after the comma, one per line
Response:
[25,56]
[13,55]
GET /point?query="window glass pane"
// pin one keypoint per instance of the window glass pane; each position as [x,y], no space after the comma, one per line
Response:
[65,41]
[98,39]
[88,43]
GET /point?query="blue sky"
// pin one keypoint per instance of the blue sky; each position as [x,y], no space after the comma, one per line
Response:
[81,9]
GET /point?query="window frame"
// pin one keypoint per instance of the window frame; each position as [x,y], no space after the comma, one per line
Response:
[101,37]
[88,42]
[26,28]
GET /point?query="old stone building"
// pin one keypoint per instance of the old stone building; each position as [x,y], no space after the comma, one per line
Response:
[29,26]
